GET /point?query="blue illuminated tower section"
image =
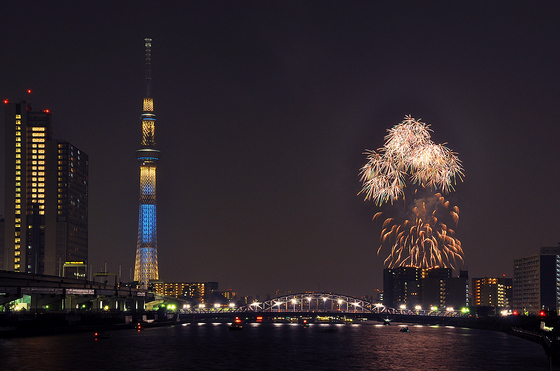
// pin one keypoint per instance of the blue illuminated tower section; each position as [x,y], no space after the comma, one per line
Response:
[146,265]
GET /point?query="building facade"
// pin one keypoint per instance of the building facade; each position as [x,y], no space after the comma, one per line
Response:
[46,196]
[426,288]
[536,282]
[146,267]
[199,292]
[493,292]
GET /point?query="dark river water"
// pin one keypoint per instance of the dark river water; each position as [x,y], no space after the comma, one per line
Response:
[268,346]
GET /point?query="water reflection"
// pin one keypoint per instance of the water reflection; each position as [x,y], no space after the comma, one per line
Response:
[368,346]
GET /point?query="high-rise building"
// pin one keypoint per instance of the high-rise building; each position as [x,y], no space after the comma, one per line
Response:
[536,282]
[401,286]
[146,264]
[434,287]
[492,292]
[46,196]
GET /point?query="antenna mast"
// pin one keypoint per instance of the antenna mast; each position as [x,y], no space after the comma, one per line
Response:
[148,44]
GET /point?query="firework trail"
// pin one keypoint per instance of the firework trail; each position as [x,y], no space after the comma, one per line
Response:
[419,235]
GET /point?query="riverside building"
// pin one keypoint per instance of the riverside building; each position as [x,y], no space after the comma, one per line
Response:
[45,225]
[536,282]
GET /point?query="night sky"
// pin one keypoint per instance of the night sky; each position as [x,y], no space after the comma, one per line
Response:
[264,110]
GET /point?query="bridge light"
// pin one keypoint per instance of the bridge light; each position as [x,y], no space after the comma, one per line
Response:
[340,301]
[325,299]
[294,301]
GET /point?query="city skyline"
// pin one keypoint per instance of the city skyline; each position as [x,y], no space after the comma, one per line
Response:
[266,110]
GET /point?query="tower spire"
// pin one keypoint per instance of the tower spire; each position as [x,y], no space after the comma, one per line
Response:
[148,82]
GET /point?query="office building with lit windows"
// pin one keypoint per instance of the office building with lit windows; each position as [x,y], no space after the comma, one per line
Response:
[46,199]
[195,291]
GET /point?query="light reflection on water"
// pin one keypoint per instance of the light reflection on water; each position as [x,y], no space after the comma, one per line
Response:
[278,347]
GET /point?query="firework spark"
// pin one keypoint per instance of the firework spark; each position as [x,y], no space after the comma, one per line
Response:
[408,155]
[419,237]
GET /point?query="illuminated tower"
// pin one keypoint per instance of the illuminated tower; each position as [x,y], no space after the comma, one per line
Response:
[146,266]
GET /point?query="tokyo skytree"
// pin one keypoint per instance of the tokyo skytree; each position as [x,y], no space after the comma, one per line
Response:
[146,265]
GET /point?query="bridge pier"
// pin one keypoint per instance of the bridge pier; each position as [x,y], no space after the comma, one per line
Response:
[74,302]
[40,301]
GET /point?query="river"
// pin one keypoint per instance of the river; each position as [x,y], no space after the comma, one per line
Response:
[275,346]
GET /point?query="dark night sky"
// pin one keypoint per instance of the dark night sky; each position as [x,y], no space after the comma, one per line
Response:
[264,111]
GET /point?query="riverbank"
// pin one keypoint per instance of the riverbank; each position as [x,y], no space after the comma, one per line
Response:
[40,324]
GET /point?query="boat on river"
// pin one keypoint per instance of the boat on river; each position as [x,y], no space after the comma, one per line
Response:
[237,325]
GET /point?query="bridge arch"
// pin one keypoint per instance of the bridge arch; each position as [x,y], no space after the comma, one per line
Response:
[317,302]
